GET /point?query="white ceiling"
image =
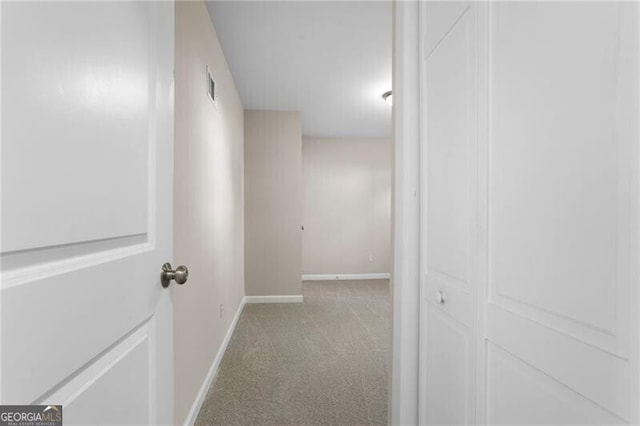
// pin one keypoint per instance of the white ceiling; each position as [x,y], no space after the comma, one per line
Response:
[330,60]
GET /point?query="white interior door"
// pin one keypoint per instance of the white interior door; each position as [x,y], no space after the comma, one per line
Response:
[529,308]
[87,160]
[561,192]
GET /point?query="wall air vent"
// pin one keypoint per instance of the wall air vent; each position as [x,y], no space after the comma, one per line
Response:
[212,89]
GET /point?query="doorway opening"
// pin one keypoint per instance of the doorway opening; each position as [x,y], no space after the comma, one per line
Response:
[310,337]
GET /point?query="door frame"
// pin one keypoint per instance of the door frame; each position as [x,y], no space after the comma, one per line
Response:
[405,281]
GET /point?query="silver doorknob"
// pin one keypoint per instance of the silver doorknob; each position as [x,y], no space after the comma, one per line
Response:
[440,297]
[180,274]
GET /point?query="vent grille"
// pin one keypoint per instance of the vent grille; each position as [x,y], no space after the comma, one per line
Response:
[212,88]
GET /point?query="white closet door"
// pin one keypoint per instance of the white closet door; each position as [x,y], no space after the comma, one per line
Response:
[562,221]
[87,160]
[449,192]
[529,308]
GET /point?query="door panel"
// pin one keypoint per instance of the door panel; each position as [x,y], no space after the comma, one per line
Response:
[597,375]
[511,381]
[558,182]
[106,378]
[448,356]
[87,142]
[560,201]
[94,310]
[89,102]
[449,284]
[449,132]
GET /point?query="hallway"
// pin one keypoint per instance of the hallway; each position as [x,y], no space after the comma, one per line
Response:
[322,361]
[203,205]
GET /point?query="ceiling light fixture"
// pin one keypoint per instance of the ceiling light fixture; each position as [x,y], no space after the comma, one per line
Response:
[388,97]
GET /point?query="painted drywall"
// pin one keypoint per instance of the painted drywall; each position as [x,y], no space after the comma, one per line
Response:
[209,205]
[347,206]
[273,202]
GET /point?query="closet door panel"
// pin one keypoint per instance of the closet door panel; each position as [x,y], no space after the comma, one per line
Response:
[449,185]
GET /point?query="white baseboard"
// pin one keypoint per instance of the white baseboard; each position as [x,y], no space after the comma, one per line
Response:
[213,370]
[329,277]
[274,299]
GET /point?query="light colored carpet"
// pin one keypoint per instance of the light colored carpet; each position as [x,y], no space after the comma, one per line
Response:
[324,361]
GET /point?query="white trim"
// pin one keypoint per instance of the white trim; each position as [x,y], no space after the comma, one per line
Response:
[406,215]
[274,299]
[213,370]
[329,277]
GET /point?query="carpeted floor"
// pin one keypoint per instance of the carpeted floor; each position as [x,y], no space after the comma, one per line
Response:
[324,361]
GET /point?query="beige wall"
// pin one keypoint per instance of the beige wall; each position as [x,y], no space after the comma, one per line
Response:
[273,200]
[347,206]
[208,209]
